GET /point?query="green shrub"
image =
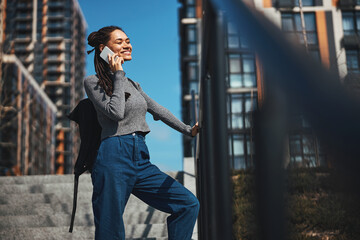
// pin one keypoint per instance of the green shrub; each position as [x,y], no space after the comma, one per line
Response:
[317,207]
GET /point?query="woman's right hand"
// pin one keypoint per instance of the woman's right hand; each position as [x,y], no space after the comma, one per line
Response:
[115,65]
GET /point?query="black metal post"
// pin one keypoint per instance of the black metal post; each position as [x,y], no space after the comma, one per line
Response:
[215,213]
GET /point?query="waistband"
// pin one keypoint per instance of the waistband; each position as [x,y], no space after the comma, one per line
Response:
[130,135]
[139,134]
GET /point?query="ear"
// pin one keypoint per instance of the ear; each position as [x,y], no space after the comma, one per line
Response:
[101,47]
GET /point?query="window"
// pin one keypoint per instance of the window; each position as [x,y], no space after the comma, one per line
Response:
[291,26]
[305,3]
[242,71]
[190,11]
[191,37]
[352,60]
[351,22]
[192,69]
[234,40]
[241,151]
[305,151]
[304,147]
[240,108]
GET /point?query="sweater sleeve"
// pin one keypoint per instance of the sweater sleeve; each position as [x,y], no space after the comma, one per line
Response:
[160,112]
[113,106]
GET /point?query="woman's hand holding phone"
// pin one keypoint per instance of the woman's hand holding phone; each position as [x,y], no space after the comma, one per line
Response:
[115,62]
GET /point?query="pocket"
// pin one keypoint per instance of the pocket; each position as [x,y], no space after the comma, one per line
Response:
[144,154]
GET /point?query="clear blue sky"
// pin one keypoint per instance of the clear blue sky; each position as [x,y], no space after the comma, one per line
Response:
[152,27]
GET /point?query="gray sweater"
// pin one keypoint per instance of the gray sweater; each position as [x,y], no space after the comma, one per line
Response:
[124,112]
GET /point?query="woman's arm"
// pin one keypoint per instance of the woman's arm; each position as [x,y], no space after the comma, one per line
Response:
[160,112]
[113,106]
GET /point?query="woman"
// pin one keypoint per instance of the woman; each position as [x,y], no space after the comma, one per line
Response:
[122,165]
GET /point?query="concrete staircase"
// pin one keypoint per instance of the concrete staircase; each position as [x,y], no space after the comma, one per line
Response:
[39,207]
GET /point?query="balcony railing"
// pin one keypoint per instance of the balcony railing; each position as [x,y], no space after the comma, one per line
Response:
[346,4]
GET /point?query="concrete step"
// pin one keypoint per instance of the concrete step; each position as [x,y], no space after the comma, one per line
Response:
[40,179]
[67,178]
[39,203]
[32,198]
[20,215]
[39,207]
[138,232]
[44,188]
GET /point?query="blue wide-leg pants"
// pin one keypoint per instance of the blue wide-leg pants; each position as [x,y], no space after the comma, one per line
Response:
[122,167]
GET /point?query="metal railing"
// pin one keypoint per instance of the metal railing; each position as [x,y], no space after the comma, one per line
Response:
[293,79]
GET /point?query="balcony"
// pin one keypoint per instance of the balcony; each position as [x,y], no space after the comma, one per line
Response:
[54,71]
[56,14]
[56,25]
[24,5]
[21,48]
[58,4]
[23,27]
[55,48]
[288,4]
[23,36]
[348,4]
[351,39]
[23,15]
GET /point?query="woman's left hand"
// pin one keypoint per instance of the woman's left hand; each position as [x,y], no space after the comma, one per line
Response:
[195,129]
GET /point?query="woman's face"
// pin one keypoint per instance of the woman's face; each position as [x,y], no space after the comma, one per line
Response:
[120,43]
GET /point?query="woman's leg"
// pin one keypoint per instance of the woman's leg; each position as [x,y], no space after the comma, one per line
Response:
[113,178]
[166,194]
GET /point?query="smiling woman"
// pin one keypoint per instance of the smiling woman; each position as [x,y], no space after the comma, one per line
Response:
[152,27]
[123,162]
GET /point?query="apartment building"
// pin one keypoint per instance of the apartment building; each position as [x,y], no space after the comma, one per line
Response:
[48,36]
[331,36]
[27,122]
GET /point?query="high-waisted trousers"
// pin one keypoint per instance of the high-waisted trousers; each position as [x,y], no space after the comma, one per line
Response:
[122,167]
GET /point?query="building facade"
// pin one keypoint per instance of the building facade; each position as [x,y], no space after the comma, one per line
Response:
[330,35]
[48,36]
[27,122]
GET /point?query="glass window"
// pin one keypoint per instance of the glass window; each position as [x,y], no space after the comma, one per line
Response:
[192,49]
[241,109]
[291,25]
[235,63]
[305,3]
[236,80]
[241,150]
[352,61]
[190,12]
[193,76]
[351,22]
[305,150]
[191,36]
[233,42]
[242,71]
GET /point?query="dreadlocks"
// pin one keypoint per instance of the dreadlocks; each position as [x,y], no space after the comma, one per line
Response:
[102,36]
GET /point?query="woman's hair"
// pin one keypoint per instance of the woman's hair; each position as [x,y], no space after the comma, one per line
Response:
[102,36]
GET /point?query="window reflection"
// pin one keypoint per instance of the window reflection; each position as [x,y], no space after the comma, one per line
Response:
[241,108]
[241,149]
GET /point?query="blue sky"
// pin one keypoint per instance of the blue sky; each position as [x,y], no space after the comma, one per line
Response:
[152,27]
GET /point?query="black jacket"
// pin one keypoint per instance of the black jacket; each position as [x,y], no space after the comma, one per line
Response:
[84,114]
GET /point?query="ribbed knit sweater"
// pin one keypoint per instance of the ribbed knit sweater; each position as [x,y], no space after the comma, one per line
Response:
[124,111]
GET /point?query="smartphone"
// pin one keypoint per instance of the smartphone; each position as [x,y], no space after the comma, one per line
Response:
[105,52]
